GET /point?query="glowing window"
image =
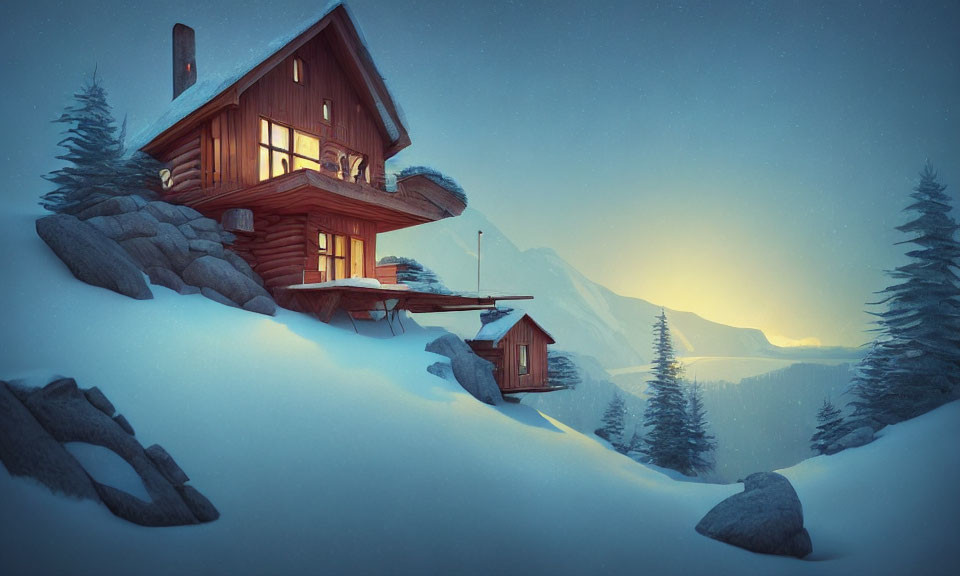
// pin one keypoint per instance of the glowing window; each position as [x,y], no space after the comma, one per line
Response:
[523,360]
[284,150]
[327,111]
[298,70]
[216,160]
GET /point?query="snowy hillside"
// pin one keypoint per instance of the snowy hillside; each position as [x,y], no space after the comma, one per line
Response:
[582,315]
[329,452]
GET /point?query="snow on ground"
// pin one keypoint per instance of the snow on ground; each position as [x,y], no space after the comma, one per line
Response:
[331,452]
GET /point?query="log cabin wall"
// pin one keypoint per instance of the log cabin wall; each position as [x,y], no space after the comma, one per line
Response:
[524,332]
[277,97]
[183,159]
[276,250]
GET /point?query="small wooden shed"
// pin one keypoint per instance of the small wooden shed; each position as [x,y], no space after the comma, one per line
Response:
[517,347]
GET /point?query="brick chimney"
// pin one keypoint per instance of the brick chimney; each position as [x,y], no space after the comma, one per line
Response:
[184,59]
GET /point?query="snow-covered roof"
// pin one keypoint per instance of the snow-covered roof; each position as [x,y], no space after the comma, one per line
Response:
[211,85]
[495,331]
[438,178]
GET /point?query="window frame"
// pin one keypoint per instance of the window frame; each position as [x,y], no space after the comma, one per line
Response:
[523,359]
[290,152]
[298,75]
[327,105]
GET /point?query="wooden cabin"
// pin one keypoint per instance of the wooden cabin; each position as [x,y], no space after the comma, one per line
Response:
[517,348]
[289,155]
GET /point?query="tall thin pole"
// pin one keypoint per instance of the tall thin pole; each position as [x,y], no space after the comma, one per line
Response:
[479,234]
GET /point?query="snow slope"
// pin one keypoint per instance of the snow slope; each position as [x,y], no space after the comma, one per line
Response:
[582,315]
[330,452]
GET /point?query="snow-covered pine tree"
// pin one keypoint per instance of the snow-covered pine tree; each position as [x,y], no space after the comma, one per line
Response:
[702,443]
[870,403]
[95,169]
[830,429]
[918,357]
[562,370]
[665,415]
[611,429]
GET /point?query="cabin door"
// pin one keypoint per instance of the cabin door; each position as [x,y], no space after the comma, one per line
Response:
[356,258]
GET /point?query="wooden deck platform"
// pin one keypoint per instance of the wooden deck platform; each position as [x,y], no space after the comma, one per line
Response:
[324,301]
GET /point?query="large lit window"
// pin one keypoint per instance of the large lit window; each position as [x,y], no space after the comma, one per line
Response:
[283,150]
[523,360]
[331,256]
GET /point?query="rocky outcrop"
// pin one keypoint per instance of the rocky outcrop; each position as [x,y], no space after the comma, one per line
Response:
[766,517]
[473,373]
[112,243]
[35,424]
[91,256]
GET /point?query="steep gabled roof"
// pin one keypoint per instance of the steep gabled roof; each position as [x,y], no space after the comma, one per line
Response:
[217,91]
[495,331]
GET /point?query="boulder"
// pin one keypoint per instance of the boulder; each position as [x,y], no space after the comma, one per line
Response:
[219,275]
[112,207]
[448,345]
[145,253]
[187,231]
[124,226]
[202,224]
[166,465]
[66,414]
[92,257]
[261,305]
[190,214]
[218,297]
[164,212]
[473,373]
[121,421]
[202,508]
[441,370]
[852,439]
[241,265]
[169,279]
[766,517]
[174,246]
[99,401]
[207,247]
[27,449]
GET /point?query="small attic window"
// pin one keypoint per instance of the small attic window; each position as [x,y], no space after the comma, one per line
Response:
[298,70]
[327,111]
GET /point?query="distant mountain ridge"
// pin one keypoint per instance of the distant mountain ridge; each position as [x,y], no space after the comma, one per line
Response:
[583,316]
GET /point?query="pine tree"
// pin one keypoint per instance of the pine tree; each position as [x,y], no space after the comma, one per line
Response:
[612,428]
[915,363]
[634,447]
[666,442]
[831,428]
[562,370]
[702,444]
[96,168]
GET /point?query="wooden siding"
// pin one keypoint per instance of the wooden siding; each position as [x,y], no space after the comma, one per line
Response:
[183,158]
[277,250]
[506,356]
[277,97]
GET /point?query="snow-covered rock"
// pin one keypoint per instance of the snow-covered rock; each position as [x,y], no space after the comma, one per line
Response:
[472,372]
[45,432]
[766,517]
[211,272]
[92,257]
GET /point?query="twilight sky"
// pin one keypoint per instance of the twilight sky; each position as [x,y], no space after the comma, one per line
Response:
[743,161]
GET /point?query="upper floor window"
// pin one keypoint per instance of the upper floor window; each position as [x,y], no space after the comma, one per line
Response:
[298,70]
[284,150]
[327,111]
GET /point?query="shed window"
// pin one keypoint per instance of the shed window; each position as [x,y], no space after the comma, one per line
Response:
[523,360]
[283,150]
[298,70]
